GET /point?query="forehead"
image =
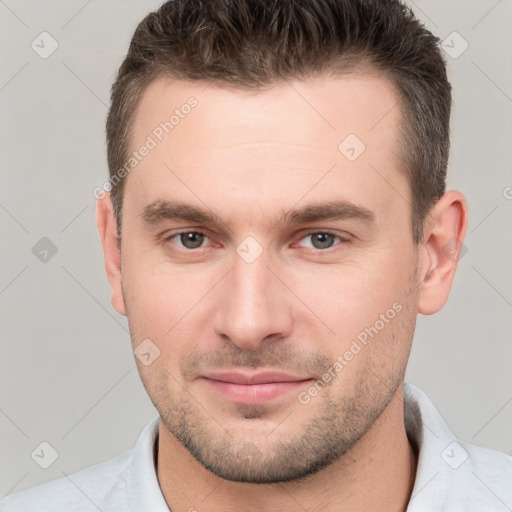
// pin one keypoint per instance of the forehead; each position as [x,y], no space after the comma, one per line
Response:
[262,145]
[329,108]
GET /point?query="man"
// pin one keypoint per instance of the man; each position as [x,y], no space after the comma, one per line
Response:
[275,219]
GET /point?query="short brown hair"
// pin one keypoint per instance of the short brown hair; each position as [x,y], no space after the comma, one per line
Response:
[252,44]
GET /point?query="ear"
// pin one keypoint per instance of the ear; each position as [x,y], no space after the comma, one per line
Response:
[444,232]
[106,223]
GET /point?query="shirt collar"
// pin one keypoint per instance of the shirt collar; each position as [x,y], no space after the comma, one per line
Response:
[445,468]
[143,490]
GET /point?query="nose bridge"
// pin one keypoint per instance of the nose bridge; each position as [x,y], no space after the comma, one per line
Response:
[253,306]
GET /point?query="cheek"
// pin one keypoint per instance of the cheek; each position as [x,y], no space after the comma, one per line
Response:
[149,303]
[166,303]
[350,295]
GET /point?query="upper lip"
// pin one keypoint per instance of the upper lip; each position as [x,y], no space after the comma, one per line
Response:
[262,377]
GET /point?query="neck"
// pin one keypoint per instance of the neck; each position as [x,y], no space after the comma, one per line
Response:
[376,474]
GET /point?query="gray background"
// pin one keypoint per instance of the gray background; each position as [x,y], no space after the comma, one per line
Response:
[67,372]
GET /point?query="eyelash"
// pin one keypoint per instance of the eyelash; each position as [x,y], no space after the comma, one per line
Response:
[168,238]
[341,239]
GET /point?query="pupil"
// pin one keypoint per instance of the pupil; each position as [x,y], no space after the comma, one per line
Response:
[192,240]
[322,240]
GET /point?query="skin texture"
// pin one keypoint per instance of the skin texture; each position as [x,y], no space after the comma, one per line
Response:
[251,158]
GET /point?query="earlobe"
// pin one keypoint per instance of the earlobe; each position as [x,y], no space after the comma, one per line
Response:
[444,231]
[106,222]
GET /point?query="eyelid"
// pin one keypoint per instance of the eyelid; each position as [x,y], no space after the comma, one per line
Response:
[343,239]
[169,235]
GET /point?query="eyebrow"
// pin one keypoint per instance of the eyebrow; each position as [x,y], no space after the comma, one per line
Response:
[332,210]
[169,210]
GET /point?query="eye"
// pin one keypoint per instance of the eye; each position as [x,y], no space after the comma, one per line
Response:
[320,240]
[188,239]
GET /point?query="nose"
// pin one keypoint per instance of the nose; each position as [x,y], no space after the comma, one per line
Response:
[253,306]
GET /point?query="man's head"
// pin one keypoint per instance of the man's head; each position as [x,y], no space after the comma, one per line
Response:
[267,254]
[251,45]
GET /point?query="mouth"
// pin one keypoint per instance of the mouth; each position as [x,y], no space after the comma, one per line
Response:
[253,388]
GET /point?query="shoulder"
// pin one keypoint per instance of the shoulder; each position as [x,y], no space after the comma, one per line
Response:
[492,470]
[487,460]
[101,486]
[473,479]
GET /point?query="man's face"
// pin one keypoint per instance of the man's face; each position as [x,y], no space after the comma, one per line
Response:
[284,321]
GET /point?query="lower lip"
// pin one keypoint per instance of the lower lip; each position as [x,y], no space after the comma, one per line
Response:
[254,393]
